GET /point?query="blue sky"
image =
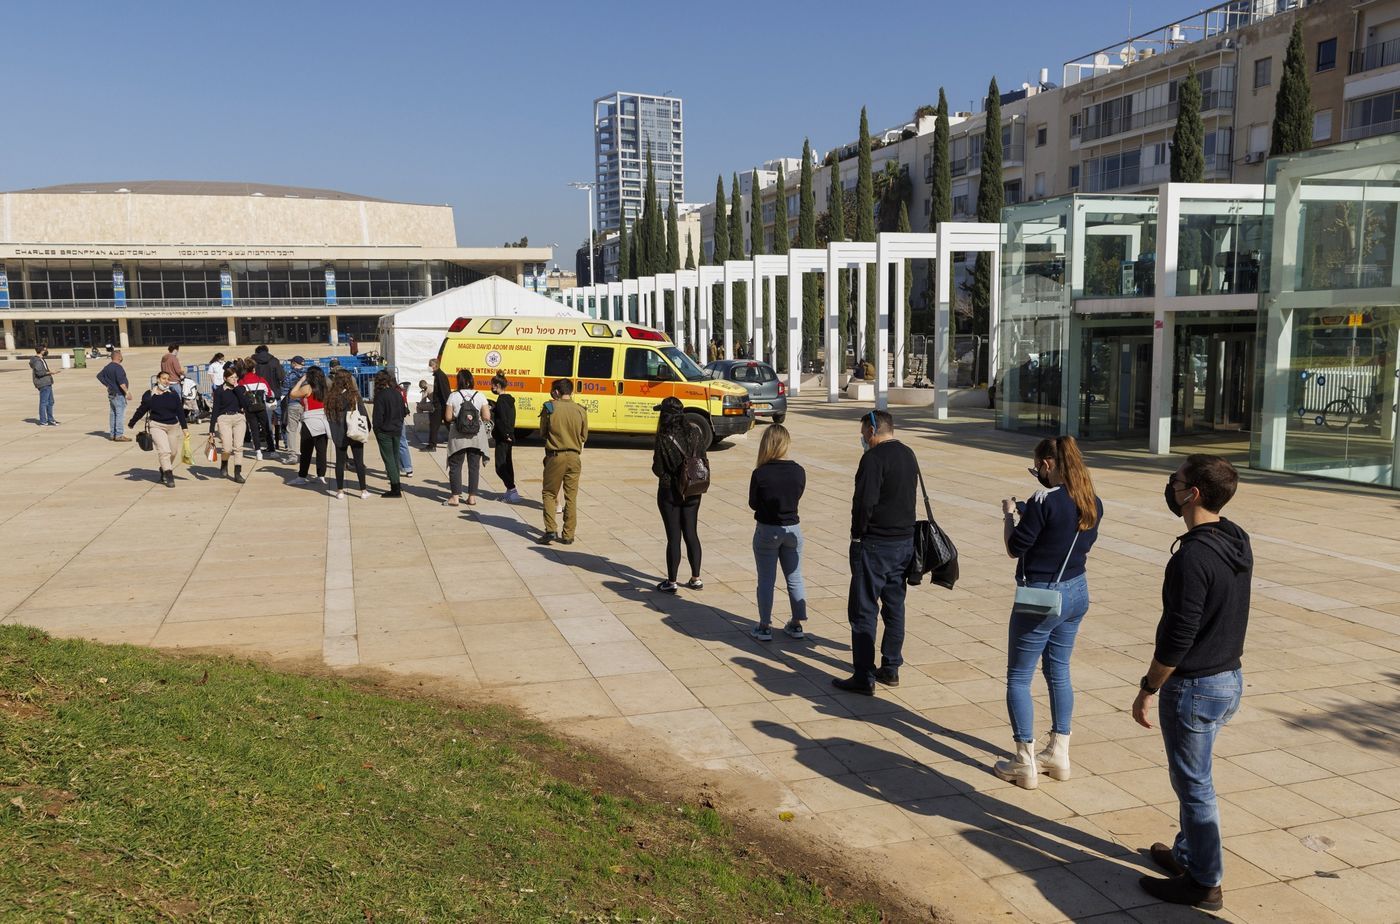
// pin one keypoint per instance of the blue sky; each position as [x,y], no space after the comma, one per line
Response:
[488,106]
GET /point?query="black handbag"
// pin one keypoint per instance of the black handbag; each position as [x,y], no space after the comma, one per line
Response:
[934,553]
[144,440]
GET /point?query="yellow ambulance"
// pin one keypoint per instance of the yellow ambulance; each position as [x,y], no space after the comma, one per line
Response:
[620,372]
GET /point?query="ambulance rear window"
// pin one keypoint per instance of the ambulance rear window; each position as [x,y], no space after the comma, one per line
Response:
[494,325]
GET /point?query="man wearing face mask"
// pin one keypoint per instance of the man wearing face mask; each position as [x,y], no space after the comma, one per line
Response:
[1196,670]
[882,541]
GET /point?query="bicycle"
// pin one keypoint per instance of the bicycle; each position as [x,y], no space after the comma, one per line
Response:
[1340,413]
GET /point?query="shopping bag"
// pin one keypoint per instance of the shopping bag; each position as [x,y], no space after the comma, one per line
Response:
[186,454]
[211,450]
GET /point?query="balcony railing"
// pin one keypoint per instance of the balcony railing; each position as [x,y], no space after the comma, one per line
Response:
[1381,54]
[1210,99]
[1355,132]
[1013,154]
[205,304]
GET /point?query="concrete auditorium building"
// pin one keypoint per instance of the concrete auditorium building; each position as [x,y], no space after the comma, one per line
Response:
[144,263]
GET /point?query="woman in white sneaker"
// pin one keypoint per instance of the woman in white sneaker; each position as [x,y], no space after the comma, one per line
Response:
[465,403]
[775,487]
[342,396]
[1056,529]
[313,430]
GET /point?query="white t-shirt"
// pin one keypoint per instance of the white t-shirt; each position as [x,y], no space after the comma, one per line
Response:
[458,398]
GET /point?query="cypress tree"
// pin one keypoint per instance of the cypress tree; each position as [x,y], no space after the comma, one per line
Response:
[836,212]
[736,252]
[673,263]
[807,238]
[624,251]
[865,225]
[990,200]
[1293,111]
[941,199]
[780,246]
[656,240]
[1188,140]
[721,251]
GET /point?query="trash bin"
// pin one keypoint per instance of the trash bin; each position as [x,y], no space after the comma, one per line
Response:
[79,359]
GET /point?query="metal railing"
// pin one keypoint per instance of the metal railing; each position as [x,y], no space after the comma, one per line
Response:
[1380,54]
[204,304]
[1356,132]
[1210,99]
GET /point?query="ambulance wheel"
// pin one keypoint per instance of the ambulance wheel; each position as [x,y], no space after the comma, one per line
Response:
[707,431]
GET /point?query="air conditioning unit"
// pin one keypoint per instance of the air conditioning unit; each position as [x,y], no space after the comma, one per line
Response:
[1254,157]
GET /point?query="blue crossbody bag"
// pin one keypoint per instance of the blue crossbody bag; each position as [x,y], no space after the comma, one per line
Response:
[1040,602]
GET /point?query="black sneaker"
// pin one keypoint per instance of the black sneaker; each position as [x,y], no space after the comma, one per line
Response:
[548,538]
[667,587]
[566,542]
[889,676]
[1183,890]
[853,685]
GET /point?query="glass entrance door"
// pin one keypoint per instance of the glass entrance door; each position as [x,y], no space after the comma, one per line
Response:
[1230,381]
[1116,384]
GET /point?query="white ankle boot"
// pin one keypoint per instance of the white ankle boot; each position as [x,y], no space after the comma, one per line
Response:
[1021,769]
[1053,760]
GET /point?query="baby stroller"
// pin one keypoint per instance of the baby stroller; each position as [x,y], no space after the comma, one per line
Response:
[196,405]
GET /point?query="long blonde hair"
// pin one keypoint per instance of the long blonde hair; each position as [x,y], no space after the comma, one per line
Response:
[1070,464]
[776,440]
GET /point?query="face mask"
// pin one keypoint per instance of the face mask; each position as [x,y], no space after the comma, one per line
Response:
[1039,476]
[1169,495]
[864,444]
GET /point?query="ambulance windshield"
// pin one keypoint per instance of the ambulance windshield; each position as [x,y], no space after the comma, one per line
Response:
[686,365]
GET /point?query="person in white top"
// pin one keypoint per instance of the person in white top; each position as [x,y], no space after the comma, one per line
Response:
[461,445]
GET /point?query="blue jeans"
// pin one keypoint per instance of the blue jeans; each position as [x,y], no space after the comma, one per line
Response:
[1192,712]
[405,461]
[46,405]
[1049,641]
[773,545]
[116,422]
[877,592]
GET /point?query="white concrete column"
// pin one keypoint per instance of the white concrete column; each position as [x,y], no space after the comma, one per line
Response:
[728,312]
[882,328]
[1279,380]
[794,331]
[335,332]
[10,334]
[1159,409]
[833,361]
[994,320]
[942,329]
[233,331]
[123,335]
[755,319]
[702,335]
[900,320]
[772,340]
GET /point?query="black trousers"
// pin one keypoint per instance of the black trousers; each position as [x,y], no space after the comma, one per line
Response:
[355,450]
[260,431]
[435,423]
[505,465]
[308,443]
[681,521]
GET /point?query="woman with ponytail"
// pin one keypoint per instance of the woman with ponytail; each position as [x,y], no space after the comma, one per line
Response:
[1050,536]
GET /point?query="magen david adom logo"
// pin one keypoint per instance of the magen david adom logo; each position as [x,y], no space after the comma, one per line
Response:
[493,358]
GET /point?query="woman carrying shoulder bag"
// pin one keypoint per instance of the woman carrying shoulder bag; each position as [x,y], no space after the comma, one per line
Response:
[462,405]
[342,397]
[1051,540]
[678,440]
[166,424]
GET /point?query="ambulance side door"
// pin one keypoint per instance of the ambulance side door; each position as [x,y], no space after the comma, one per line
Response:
[595,384]
[646,378]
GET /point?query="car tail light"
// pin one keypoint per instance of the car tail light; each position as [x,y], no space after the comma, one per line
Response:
[641,333]
[782,389]
[459,325]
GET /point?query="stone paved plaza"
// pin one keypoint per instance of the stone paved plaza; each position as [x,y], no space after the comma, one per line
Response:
[1309,771]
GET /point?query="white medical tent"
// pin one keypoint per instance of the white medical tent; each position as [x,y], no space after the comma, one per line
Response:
[411,336]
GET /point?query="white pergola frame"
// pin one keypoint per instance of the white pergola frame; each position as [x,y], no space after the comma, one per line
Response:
[631,288]
[892,248]
[767,268]
[646,301]
[665,282]
[615,296]
[737,271]
[963,237]
[686,281]
[843,255]
[800,261]
[709,276]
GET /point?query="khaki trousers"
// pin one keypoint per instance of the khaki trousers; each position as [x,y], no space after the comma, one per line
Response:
[169,439]
[561,469]
[232,428]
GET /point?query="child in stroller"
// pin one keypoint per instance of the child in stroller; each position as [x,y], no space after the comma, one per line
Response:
[196,405]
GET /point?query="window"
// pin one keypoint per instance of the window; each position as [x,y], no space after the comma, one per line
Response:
[1263,72]
[595,362]
[1326,55]
[1074,177]
[927,205]
[1041,133]
[558,361]
[1322,125]
[646,366]
[1258,138]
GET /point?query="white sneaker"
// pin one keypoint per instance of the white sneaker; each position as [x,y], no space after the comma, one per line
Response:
[364,494]
[338,495]
[322,479]
[258,455]
[300,480]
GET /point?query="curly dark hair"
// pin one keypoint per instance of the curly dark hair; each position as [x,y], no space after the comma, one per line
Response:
[317,380]
[342,394]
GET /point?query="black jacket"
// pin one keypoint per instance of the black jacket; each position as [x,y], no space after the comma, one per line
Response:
[270,368]
[774,490]
[668,462]
[441,388]
[389,411]
[503,418]
[1205,601]
[886,482]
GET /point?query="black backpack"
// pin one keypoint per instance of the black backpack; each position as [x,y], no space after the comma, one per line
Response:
[467,421]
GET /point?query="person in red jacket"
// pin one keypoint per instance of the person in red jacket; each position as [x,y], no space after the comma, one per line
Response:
[260,399]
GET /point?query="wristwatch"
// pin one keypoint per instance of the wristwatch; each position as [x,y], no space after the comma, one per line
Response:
[1146,687]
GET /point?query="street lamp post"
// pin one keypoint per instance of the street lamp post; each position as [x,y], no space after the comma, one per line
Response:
[588,187]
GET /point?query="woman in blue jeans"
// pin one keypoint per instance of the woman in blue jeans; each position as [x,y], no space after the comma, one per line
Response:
[1050,535]
[775,487]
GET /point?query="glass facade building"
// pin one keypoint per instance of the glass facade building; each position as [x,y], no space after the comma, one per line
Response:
[626,128]
[1329,315]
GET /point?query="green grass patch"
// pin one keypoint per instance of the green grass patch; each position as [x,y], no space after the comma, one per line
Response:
[136,785]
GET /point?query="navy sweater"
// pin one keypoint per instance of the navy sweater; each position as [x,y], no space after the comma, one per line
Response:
[774,490]
[1049,522]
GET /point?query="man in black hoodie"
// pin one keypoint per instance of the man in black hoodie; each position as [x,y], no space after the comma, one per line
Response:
[1196,669]
[270,368]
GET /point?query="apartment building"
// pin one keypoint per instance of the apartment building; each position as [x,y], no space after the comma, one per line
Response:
[627,127]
